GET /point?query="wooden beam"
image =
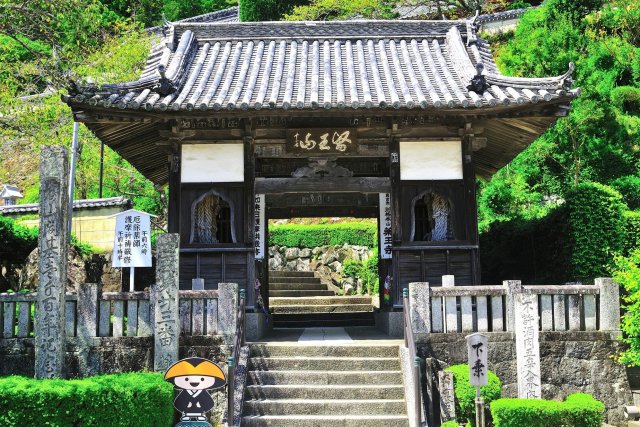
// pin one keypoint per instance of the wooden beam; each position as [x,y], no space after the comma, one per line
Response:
[327,185]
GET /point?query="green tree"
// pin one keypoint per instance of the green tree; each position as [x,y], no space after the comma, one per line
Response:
[628,275]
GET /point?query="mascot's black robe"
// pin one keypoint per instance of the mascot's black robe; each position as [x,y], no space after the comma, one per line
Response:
[189,401]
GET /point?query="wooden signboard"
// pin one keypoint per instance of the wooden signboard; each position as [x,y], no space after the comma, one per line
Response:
[322,141]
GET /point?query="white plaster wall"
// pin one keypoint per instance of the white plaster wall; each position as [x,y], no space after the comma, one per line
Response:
[212,163]
[430,160]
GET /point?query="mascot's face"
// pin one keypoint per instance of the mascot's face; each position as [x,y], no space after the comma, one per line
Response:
[194,382]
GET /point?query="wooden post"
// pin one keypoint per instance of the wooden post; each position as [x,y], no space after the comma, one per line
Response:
[174,191]
[54,211]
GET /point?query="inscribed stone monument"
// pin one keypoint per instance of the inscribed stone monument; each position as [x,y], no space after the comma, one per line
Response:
[54,210]
[164,296]
[527,346]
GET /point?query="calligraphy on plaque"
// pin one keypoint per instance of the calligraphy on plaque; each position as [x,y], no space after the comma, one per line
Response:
[317,141]
[478,356]
[386,235]
[260,225]
[132,243]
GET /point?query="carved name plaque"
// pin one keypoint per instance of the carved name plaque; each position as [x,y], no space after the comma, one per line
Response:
[328,141]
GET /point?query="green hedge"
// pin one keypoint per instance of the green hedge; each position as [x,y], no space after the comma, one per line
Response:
[631,231]
[16,241]
[575,241]
[596,229]
[629,187]
[267,10]
[466,393]
[311,236]
[450,424]
[134,399]
[578,410]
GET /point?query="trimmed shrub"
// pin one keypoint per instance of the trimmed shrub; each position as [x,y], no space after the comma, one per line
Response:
[631,231]
[311,236]
[629,187]
[450,424]
[578,410]
[16,241]
[596,229]
[134,399]
[466,393]
[267,10]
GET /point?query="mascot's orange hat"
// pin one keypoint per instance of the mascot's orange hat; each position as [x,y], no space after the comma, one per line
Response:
[196,366]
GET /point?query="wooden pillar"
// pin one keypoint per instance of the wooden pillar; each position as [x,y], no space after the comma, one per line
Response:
[396,212]
[174,189]
[249,190]
[471,206]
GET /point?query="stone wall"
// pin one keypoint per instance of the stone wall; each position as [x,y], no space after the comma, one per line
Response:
[570,362]
[326,261]
[106,355]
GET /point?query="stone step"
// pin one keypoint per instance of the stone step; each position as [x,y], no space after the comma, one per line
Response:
[324,407]
[273,280]
[326,421]
[323,377]
[274,302]
[359,391]
[274,273]
[324,363]
[331,350]
[334,308]
[329,323]
[296,286]
[300,293]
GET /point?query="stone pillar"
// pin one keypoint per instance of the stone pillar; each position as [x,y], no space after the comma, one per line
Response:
[513,287]
[420,307]
[227,310]
[164,295]
[609,304]
[54,212]
[450,305]
[527,346]
[447,396]
[87,310]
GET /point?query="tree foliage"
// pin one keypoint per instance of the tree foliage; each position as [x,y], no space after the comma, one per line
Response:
[628,275]
[599,140]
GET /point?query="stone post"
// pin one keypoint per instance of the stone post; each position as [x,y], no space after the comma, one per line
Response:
[54,211]
[450,305]
[227,310]
[164,295]
[513,287]
[527,346]
[609,304]
[87,317]
[420,307]
[447,396]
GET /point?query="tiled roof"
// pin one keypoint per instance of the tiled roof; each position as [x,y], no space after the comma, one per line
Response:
[10,191]
[503,16]
[77,204]
[330,65]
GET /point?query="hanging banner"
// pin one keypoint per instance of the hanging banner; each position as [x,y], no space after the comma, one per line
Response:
[132,243]
[385,236]
[260,226]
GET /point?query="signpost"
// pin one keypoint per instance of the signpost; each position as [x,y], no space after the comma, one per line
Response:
[478,352]
[132,242]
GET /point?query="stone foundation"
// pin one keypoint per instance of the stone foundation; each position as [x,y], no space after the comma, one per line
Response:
[106,355]
[570,362]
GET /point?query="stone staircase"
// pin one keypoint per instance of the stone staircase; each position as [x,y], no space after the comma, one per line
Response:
[298,299]
[309,385]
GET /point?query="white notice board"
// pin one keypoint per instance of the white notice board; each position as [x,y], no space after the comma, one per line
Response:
[132,242]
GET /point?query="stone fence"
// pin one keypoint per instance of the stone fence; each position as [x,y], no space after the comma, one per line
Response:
[96,322]
[471,309]
[543,341]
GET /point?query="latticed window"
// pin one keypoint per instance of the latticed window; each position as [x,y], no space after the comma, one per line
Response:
[9,202]
[212,220]
[432,218]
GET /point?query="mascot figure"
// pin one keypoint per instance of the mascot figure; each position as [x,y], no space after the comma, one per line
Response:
[193,377]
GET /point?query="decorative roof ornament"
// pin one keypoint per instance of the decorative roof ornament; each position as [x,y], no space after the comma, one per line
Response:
[478,83]
[164,86]
[566,82]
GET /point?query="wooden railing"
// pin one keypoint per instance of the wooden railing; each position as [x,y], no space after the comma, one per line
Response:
[410,344]
[238,343]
